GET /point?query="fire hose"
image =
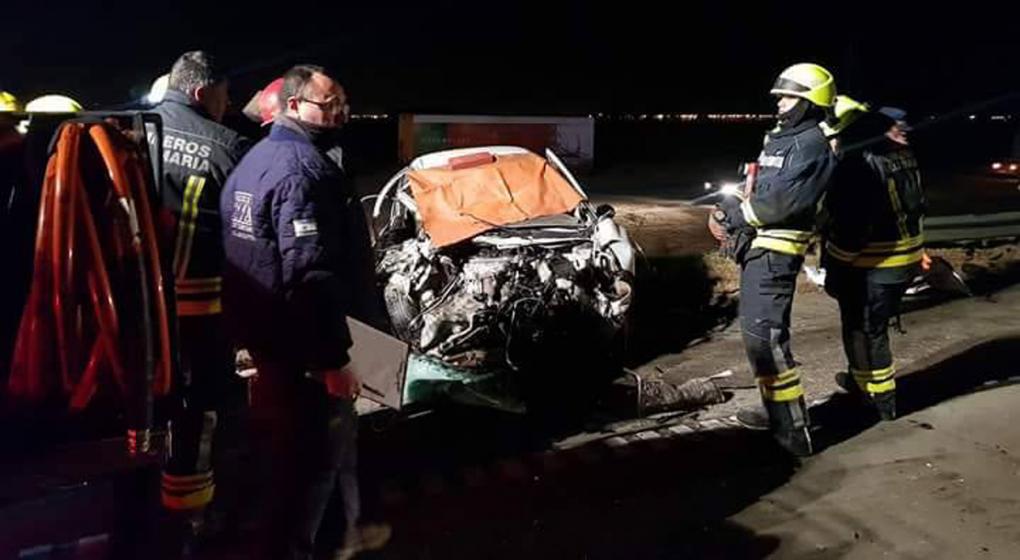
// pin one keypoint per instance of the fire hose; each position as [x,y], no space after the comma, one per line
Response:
[97,302]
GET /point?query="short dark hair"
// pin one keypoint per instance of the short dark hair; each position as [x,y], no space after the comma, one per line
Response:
[295,80]
[194,69]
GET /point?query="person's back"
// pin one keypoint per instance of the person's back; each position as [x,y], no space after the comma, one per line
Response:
[874,247]
[198,154]
[876,202]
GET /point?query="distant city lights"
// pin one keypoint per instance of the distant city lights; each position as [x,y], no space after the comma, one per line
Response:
[687,117]
[697,117]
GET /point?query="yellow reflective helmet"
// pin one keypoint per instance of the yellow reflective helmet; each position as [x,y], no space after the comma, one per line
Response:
[807,81]
[9,103]
[53,104]
[846,110]
[158,90]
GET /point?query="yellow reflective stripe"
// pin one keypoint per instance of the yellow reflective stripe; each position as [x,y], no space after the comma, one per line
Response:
[187,478]
[782,387]
[875,381]
[780,378]
[888,261]
[199,285]
[782,395]
[884,387]
[894,199]
[191,308]
[191,222]
[186,484]
[873,374]
[780,245]
[840,254]
[198,290]
[210,281]
[190,500]
[189,188]
[186,227]
[787,234]
[893,246]
[748,211]
[910,251]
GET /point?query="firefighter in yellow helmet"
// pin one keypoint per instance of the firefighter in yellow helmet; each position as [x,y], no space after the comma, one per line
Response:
[874,245]
[777,219]
[845,110]
[8,103]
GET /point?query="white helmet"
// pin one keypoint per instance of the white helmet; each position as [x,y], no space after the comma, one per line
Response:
[158,90]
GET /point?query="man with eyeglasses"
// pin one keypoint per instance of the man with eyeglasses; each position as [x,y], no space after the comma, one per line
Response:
[297,256]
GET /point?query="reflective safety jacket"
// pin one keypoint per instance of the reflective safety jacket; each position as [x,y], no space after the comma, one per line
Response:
[795,167]
[198,154]
[875,209]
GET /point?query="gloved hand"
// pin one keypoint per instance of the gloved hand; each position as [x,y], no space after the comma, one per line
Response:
[730,206]
[717,224]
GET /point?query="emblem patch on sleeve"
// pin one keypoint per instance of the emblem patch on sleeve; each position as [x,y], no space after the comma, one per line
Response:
[241,219]
[305,227]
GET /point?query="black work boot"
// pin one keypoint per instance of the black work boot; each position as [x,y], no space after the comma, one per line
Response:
[848,384]
[885,404]
[791,426]
[754,417]
[882,403]
[178,534]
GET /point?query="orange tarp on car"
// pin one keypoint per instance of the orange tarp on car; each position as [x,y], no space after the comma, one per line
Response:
[459,204]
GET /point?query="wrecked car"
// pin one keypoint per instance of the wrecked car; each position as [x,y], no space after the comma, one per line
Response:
[492,260]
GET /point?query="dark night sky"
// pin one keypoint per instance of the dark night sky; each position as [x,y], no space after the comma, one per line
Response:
[513,57]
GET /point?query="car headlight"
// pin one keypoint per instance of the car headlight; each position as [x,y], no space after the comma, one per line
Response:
[996,166]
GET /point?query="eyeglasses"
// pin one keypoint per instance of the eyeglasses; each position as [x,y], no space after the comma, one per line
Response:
[333,105]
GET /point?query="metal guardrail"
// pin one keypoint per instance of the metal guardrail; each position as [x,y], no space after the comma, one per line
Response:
[1003,227]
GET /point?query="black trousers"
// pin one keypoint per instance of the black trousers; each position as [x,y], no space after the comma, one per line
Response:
[208,386]
[307,444]
[868,299]
[767,283]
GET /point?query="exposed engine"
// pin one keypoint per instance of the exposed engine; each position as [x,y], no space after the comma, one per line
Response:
[504,303]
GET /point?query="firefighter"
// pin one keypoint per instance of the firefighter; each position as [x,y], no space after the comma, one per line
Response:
[8,104]
[295,239]
[874,245]
[198,154]
[10,142]
[795,166]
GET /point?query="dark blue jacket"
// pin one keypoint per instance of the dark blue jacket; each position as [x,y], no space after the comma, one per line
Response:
[291,263]
[876,203]
[795,166]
